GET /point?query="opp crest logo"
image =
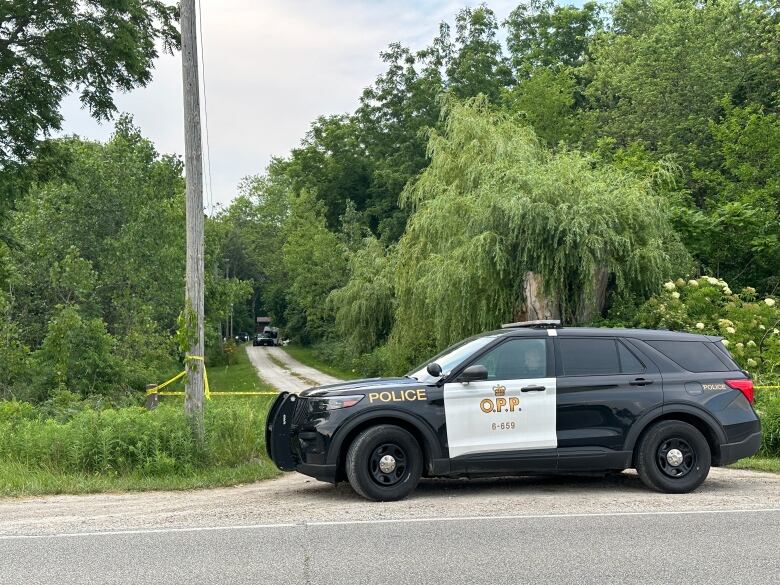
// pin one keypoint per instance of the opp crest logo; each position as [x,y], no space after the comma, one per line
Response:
[501,403]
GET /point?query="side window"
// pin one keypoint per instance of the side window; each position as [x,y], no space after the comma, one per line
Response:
[516,359]
[694,356]
[629,363]
[588,357]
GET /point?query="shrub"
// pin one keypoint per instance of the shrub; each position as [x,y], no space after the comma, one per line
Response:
[342,355]
[749,325]
[78,355]
[768,408]
[14,355]
[224,355]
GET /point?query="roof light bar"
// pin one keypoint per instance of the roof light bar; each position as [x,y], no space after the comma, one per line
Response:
[538,324]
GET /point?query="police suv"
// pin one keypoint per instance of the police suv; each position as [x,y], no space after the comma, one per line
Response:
[533,397]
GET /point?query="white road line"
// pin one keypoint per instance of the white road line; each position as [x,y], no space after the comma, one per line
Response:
[314,524]
[146,531]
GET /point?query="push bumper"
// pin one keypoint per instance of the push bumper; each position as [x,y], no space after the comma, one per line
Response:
[731,452]
[278,431]
[283,444]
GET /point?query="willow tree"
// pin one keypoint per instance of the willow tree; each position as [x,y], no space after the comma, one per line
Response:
[503,228]
[365,305]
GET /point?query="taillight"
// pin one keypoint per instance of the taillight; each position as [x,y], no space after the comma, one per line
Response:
[744,386]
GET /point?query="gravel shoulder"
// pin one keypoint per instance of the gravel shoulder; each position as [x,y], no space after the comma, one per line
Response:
[296,498]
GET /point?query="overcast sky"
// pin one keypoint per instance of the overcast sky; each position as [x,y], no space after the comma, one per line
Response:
[272,67]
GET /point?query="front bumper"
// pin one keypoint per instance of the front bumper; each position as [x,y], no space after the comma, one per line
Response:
[326,473]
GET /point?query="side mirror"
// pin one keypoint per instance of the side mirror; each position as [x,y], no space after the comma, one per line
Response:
[434,369]
[473,374]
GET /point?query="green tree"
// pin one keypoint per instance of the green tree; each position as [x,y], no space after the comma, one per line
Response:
[365,305]
[659,73]
[14,354]
[478,65]
[332,163]
[97,245]
[49,48]
[547,99]
[111,223]
[392,116]
[541,34]
[494,207]
[315,262]
[247,239]
[735,231]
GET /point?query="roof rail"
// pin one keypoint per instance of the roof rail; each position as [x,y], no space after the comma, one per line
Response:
[538,324]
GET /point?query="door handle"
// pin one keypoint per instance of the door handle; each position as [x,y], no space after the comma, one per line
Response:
[532,389]
[640,382]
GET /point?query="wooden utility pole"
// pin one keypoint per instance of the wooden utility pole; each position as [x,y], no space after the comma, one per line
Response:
[193,165]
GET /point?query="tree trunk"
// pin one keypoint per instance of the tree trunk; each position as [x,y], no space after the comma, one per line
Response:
[536,305]
[593,306]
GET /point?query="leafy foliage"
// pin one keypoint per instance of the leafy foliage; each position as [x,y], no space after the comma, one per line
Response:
[590,147]
[48,48]
[315,262]
[543,35]
[494,205]
[365,305]
[750,325]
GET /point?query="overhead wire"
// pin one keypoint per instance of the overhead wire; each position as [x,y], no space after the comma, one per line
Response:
[207,169]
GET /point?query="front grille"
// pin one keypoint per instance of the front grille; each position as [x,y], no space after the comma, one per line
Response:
[300,414]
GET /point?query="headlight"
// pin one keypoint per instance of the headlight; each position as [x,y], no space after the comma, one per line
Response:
[323,403]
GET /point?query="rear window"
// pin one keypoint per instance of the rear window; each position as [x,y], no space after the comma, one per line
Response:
[726,354]
[629,363]
[694,356]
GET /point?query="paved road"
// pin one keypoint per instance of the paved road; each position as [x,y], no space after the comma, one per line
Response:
[681,548]
[284,373]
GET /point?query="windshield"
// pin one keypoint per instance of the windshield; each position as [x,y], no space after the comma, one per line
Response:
[451,357]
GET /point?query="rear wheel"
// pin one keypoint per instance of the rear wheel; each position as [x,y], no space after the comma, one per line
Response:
[673,457]
[384,463]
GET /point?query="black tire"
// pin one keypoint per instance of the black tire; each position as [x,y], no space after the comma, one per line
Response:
[369,448]
[656,459]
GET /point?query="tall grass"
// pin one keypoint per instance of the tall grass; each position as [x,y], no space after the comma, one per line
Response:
[768,408]
[132,439]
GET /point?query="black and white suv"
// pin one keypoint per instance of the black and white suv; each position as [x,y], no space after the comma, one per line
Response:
[529,398]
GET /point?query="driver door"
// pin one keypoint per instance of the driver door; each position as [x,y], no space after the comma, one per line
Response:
[513,410]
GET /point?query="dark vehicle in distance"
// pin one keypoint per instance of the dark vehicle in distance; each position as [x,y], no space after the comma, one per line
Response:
[264,339]
[530,398]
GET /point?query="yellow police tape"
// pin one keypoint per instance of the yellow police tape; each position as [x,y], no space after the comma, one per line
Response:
[207,391]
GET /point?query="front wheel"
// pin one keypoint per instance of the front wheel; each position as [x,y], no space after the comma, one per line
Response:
[384,463]
[673,457]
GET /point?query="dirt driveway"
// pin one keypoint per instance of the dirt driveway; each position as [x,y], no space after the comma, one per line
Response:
[284,373]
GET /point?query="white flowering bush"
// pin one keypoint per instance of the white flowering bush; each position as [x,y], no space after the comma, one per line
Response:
[749,323]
